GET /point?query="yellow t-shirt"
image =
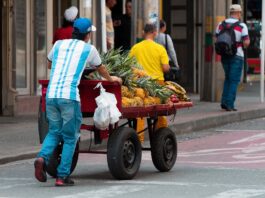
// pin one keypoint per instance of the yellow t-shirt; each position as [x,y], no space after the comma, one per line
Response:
[151,56]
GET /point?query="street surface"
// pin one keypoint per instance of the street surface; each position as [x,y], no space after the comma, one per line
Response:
[224,162]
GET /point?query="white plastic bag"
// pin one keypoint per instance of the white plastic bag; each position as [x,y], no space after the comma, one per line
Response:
[107,112]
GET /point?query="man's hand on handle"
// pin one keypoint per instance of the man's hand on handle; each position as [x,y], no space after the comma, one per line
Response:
[105,74]
[116,79]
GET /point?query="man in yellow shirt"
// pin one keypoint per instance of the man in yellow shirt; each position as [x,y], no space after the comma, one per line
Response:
[154,59]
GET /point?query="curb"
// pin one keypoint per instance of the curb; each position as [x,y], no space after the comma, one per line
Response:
[218,120]
[22,156]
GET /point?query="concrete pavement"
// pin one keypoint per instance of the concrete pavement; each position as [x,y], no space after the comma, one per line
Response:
[19,135]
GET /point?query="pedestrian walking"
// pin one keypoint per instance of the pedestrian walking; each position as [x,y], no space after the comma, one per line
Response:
[65,32]
[67,61]
[123,29]
[166,40]
[231,37]
[109,24]
[154,60]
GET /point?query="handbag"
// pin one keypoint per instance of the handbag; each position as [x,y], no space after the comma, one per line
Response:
[174,73]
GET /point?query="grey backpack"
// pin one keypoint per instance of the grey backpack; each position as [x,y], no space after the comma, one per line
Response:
[226,44]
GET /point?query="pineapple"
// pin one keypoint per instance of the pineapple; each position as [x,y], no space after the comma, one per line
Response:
[139,101]
[136,83]
[139,92]
[125,102]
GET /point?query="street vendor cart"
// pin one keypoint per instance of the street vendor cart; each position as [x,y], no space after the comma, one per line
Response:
[124,150]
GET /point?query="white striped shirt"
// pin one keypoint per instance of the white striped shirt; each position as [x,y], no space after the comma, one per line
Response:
[69,58]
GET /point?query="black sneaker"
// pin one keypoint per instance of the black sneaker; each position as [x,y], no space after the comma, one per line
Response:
[64,182]
[40,172]
[223,106]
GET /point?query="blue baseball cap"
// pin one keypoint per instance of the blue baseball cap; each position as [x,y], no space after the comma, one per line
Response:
[84,25]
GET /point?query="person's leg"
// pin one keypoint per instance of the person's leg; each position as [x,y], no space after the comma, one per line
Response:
[226,67]
[53,137]
[235,76]
[72,117]
[161,122]
[139,128]
[51,140]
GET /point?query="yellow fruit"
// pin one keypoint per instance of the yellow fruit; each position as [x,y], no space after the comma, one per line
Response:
[124,91]
[149,101]
[133,102]
[157,100]
[139,72]
[139,101]
[146,93]
[139,92]
[125,102]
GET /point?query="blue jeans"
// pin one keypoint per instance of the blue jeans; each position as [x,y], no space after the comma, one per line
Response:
[233,70]
[64,117]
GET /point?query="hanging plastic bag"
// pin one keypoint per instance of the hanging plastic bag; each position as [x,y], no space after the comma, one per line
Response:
[106,112]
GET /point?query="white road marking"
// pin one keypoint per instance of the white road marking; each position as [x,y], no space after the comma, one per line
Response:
[221,162]
[207,152]
[249,139]
[239,130]
[16,185]
[16,179]
[112,191]
[242,193]
[167,183]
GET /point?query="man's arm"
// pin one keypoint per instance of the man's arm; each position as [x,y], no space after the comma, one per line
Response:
[171,51]
[165,68]
[245,36]
[164,60]
[246,42]
[105,74]
[49,64]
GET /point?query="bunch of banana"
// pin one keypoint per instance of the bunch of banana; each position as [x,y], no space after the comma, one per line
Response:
[178,90]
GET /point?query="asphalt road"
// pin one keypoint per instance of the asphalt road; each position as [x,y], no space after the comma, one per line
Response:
[224,162]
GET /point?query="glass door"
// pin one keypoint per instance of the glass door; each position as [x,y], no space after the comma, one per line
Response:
[180,22]
[40,42]
[58,12]
[21,38]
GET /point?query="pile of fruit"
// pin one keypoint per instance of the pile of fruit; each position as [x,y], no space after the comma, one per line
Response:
[139,89]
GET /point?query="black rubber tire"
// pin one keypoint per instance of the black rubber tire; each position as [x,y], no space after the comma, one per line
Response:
[164,149]
[55,159]
[124,153]
[43,125]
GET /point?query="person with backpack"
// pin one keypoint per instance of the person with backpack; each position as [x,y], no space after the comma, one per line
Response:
[231,37]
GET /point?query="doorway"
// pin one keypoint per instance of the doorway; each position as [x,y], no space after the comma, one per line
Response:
[59,6]
[179,15]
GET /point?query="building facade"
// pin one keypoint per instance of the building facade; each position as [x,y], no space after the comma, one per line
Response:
[27,28]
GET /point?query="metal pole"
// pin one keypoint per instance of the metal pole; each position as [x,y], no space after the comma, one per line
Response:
[262,54]
[103,25]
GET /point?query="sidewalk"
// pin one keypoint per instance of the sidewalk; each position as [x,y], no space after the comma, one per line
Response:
[19,135]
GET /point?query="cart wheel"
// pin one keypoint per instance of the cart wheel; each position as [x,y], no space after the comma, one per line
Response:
[56,158]
[124,153]
[164,149]
[43,125]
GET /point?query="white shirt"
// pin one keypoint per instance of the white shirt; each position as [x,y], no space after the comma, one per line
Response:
[69,58]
